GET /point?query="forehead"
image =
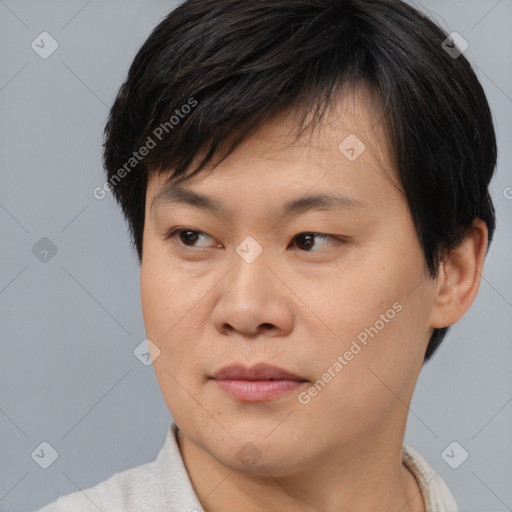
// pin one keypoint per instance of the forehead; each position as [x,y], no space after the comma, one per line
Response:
[350,136]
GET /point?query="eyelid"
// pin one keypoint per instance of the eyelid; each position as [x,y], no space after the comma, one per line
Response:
[175,231]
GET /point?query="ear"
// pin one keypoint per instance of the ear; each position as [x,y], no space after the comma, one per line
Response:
[459,277]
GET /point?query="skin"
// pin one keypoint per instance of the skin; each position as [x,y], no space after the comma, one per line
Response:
[298,307]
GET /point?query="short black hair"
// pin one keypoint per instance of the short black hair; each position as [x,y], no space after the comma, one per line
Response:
[213,71]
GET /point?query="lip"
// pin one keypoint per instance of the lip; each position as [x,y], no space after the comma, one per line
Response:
[258,383]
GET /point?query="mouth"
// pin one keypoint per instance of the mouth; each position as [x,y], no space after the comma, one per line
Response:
[258,383]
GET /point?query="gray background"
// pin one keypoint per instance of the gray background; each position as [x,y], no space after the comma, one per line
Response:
[69,326]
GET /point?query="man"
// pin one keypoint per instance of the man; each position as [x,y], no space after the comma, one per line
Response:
[306,186]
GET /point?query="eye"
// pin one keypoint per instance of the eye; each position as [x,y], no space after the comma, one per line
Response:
[187,236]
[307,239]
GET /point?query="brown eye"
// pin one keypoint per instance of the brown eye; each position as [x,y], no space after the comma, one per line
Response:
[305,241]
[187,237]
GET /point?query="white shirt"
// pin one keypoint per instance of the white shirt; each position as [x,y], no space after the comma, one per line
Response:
[164,486]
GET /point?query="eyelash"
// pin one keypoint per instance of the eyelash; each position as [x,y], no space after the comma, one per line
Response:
[173,233]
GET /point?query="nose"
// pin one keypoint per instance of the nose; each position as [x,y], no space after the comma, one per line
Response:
[253,300]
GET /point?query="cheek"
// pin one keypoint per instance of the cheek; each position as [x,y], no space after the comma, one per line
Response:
[173,313]
[378,324]
[166,295]
[374,378]
[154,298]
[359,303]
[167,307]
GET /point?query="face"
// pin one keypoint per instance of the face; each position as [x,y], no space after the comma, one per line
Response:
[284,337]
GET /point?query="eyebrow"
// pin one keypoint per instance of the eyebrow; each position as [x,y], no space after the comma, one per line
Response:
[175,194]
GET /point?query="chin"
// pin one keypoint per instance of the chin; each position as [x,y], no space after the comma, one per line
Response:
[261,461]
[260,449]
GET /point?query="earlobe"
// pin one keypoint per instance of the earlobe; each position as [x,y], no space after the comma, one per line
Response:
[459,277]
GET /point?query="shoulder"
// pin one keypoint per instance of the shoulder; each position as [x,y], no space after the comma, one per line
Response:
[130,490]
[436,495]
